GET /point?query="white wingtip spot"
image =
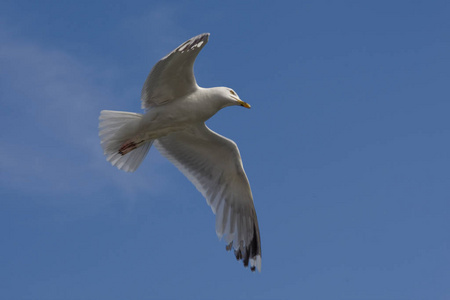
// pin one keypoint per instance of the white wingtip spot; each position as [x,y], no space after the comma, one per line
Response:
[256,262]
[182,48]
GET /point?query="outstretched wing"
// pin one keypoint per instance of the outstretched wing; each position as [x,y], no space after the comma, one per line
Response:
[213,164]
[173,76]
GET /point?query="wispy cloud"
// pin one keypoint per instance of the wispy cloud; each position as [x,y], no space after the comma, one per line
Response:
[50,104]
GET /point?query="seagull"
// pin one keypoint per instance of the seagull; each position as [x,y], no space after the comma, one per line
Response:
[176,109]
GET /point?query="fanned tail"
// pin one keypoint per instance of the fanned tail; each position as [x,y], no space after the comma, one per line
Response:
[115,134]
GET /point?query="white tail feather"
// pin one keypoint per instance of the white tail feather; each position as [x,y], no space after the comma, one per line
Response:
[113,134]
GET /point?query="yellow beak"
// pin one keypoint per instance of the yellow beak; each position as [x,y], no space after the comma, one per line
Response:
[244,104]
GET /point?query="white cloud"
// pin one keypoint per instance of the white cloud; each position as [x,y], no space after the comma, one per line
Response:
[50,105]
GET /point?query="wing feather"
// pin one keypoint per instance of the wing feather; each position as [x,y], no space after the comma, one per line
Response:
[213,164]
[173,76]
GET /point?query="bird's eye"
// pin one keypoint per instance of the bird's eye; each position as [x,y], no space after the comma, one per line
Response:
[233,93]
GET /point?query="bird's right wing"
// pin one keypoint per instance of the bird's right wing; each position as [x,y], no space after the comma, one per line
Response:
[173,76]
[213,164]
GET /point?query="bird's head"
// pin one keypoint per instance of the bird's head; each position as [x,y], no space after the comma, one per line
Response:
[236,98]
[231,97]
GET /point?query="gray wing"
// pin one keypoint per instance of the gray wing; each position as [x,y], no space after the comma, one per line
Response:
[173,76]
[213,164]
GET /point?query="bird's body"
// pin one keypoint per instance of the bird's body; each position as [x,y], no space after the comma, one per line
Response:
[196,107]
[176,109]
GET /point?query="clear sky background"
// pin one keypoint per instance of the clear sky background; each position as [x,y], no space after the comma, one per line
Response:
[346,147]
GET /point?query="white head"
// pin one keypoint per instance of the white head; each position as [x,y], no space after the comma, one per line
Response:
[230,97]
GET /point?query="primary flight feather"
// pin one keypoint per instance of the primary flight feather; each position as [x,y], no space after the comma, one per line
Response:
[174,121]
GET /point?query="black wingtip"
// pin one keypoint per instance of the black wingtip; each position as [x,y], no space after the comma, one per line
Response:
[252,252]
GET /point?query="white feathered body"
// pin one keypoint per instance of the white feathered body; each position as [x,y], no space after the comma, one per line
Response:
[178,114]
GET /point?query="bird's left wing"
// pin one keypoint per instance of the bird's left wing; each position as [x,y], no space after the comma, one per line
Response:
[213,164]
[173,76]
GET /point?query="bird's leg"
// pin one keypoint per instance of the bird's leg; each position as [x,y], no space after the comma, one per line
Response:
[129,146]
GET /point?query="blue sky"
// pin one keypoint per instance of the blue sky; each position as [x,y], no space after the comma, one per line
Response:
[346,148]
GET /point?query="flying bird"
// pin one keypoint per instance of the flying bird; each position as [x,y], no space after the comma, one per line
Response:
[176,109]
